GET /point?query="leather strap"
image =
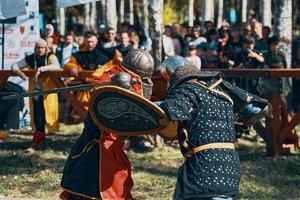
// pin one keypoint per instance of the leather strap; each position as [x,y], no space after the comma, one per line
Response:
[215,84]
[212,89]
[217,145]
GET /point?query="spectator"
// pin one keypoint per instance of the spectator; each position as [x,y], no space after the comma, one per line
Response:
[248,57]
[44,108]
[61,39]
[262,45]
[225,51]
[64,52]
[225,26]
[50,44]
[192,56]
[247,30]
[110,39]
[135,41]
[177,33]
[125,46]
[198,40]
[187,40]
[49,32]
[176,43]
[167,43]
[145,41]
[208,25]
[66,49]
[101,33]
[80,41]
[211,49]
[236,40]
[256,27]
[275,59]
[188,30]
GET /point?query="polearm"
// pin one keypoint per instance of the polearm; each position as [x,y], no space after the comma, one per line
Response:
[58,90]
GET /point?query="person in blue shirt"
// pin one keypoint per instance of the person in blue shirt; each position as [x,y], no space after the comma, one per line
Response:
[66,49]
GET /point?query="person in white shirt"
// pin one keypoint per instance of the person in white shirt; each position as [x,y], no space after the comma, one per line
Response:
[167,42]
[110,39]
[192,56]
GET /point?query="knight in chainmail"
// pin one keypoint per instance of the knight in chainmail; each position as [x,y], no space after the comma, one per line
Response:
[203,107]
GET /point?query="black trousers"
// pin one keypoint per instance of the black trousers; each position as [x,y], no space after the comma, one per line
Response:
[39,113]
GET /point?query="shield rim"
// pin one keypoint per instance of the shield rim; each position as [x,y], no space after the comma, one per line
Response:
[135,96]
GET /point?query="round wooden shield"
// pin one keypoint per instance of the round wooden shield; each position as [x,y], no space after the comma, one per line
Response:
[123,112]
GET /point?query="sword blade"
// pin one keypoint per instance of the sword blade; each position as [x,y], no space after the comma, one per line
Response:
[58,90]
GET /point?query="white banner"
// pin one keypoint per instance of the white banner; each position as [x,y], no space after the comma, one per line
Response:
[19,38]
[19,41]
[68,3]
[11,8]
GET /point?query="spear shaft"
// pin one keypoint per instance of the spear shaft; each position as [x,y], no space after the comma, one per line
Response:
[57,90]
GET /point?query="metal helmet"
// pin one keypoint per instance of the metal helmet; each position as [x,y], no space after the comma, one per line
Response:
[140,62]
[171,65]
[122,79]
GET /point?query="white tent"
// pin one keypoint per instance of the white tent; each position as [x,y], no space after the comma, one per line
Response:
[68,3]
[11,8]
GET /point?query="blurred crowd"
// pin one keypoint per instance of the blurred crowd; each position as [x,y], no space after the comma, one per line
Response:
[247,46]
[250,45]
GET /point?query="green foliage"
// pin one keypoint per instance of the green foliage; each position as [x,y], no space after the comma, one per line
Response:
[169,15]
[174,11]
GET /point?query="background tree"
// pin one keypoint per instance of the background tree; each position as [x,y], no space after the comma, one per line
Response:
[60,19]
[220,12]
[111,13]
[121,11]
[103,12]
[283,26]
[207,10]
[87,20]
[244,4]
[155,29]
[93,17]
[296,12]
[145,15]
[131,14]
[191,12]
[267,13]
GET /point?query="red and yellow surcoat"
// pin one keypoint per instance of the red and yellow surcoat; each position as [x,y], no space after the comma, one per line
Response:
[102,74]
[112,172]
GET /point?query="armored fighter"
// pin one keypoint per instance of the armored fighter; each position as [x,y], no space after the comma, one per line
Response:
[205,108]
[97,167]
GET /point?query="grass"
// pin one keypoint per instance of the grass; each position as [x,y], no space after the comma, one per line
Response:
[154,173]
